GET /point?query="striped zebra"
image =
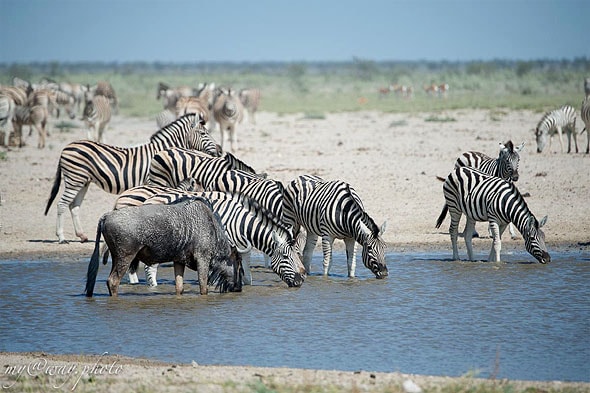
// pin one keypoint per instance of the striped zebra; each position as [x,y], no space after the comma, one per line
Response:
[554,122]
[96,115]
[170,166]
[116,169]
[333,210]
[192,104]
[164,118]
[67,102]
[7,107]
[35,116]
[505,166]
[488,198]
[585,115]
[227,112]
[170,96]
[105,89]
[250,99]
[247,224]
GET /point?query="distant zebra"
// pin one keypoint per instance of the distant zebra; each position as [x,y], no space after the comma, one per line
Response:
[170,166]
[488,198]
[333,210]
[170,96]
[505,166]
[67,102]
[35,116]
[103,88]
[97,115]
[585,115]
[554,122]
[250,99]
[227,112]
[192,104]
[247,224]
[164,118]
[115,169]
[18,95]
[7,108]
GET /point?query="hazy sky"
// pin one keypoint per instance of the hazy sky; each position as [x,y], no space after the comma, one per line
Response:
[292,30]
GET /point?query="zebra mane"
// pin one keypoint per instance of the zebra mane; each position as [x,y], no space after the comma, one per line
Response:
[236,163]
[189,117]
[365,218]
[258,208]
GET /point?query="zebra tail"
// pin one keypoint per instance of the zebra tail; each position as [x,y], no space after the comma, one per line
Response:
[442,216]
[54,189]
[93,265]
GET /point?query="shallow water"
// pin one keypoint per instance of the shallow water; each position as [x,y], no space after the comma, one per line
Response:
[430,316]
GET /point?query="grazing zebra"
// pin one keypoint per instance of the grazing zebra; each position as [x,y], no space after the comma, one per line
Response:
[505,166]
[333,210]
[170,166]
[115,169]
[164,118]
[6,114]
[585,115]
[35,116]
[488,198]
[247,224]
[250,99]
[96,115]
[227,112]
[554,122]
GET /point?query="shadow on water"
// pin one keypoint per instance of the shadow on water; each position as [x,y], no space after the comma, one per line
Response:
[431,315]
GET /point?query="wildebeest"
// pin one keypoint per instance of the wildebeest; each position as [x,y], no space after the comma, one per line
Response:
[186,232]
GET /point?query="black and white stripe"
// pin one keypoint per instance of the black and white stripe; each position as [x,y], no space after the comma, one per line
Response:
[116,169]
[97,115]
[247,225]
[555,122]
[488,198]
[333,210]
[585,115]
[170,166]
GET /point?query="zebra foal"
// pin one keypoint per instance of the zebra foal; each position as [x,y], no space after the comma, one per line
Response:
[97,115]
[555,122]
[116,169]
[487,198]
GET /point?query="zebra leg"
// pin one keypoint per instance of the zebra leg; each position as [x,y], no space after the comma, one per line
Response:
[233,139]
[151,274]
[496,243]
[101,126]
[327,242]
[560,139]
[247,279]
[468,234]
[75,211]
[454,232]
[308,251]
[513,235]
[350,256]
[179,278]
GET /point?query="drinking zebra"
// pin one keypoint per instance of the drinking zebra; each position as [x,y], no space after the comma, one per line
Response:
[488,198]
[170,166]
[250,99]
[247,225]
[333,210]
[96,115]
[115,169]
[554,122]
[227,112]
[585,115]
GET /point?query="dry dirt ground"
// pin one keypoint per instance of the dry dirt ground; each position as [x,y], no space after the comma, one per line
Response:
[391,160]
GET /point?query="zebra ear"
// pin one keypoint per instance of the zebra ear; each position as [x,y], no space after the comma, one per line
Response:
[383,228]
[502,146]
[543,221]
[519,148]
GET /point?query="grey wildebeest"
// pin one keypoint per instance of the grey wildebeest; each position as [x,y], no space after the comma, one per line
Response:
[186,232]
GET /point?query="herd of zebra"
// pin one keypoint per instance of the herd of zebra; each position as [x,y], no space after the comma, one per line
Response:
[31,104]
[433,89]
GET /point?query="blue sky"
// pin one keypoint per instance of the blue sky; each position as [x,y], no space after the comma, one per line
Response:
[292,30]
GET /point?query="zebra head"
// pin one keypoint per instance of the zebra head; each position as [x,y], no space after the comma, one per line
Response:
[534,239]
[286,262]
[200,139]
[374,252]
[509,160]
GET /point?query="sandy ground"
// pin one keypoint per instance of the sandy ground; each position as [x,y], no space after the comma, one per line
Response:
[392,161]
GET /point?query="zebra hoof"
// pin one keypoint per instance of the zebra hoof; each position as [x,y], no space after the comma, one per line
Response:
[63,241]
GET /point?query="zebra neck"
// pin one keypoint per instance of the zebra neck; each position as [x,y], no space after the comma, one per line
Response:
[520,218]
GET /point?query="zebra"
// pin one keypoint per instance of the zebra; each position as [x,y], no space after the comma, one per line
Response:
[192,104]
[505,166]
[482,197]
[35,116]
[250,99]
[170,96]
[585,115]
[103,88]
[247,224]
[333,210]
[115,169]
[227,112]
[587,87]
[553,122]
[164,118]
[96,115]
[170,166]
[6,114]
[66,101]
